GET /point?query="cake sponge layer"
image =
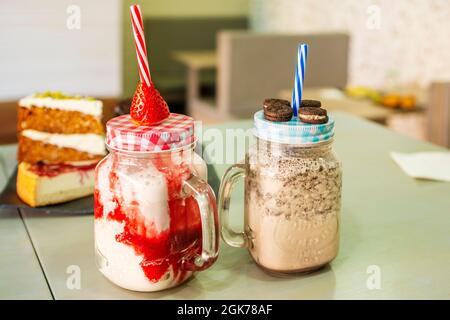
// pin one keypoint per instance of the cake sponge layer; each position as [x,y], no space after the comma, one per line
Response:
[33,151]
[57,121]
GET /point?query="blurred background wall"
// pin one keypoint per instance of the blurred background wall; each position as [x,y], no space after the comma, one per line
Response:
[398,47]
[42,48]
[392,42]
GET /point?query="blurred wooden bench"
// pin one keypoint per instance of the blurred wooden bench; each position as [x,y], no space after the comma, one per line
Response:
[8,120]
[439,113]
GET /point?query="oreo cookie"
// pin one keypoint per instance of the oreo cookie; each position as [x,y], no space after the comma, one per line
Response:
[277,110]
[313,115]
[310,103]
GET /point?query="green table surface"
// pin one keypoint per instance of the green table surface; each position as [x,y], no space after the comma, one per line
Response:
[389,220]
[21,276]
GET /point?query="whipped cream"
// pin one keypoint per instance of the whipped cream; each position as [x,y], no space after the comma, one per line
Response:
[87,142]
[91,107]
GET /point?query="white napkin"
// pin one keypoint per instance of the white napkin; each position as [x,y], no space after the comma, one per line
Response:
[425,165]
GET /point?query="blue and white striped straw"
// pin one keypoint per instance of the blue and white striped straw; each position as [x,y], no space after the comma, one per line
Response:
[299,77]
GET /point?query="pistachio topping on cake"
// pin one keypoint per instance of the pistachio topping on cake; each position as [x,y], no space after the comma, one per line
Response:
[61,96]
[61,101]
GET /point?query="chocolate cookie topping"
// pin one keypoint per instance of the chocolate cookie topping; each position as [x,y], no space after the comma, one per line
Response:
[313,115]
[310,103]
[277,110]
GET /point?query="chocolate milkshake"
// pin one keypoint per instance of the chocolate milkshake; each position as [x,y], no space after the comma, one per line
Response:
[292,191]
[292,204]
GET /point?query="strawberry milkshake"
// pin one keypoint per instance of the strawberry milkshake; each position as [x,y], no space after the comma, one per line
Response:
[147,229]
[155,216]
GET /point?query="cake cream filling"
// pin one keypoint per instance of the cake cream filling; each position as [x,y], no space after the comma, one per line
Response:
[91,107]
[81,163]
[87,142]
[311,117]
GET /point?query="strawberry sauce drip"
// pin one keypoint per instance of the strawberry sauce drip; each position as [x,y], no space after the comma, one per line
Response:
[160,250]
[98,206]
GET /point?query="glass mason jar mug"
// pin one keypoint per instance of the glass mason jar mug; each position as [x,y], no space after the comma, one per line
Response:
[292,197]
[155,216]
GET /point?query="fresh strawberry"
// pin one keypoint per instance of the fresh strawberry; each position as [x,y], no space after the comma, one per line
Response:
[148,107]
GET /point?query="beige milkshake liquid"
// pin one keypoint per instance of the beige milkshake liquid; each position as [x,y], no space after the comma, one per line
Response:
[292,198]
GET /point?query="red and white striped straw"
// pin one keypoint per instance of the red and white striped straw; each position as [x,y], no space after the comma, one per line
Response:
[139,41]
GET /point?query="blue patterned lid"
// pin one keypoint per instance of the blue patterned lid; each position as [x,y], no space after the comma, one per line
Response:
[293,131]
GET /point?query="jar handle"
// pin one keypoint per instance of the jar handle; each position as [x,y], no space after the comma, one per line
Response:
[231,176]
[204,195]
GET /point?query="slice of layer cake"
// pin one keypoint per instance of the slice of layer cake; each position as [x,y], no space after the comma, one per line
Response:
[61,138]
[42,184]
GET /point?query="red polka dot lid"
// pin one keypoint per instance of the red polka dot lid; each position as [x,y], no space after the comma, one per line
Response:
[125,135]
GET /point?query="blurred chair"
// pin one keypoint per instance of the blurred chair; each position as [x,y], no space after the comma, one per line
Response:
[253,66]
[439,113]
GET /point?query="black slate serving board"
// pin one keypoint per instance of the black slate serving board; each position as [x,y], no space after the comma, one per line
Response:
[9,199]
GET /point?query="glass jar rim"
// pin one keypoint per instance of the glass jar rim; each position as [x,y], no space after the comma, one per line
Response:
[294,131]
[189,146]
[296,145]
